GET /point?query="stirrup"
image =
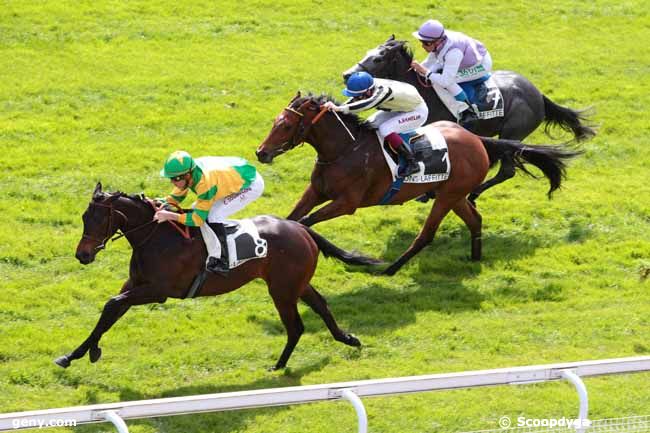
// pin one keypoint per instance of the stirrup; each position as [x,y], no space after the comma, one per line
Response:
[217,266]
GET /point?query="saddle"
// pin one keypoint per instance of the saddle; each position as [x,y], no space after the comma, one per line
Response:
[240,241]
[430,150]
[485,95]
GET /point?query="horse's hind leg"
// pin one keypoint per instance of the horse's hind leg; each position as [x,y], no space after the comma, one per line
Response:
[441,208]
[506,171]
[468,213]
[293,324]
[317,303]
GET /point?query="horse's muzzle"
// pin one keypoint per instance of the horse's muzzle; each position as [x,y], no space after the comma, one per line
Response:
[264,157]
[351,71]
[85,257]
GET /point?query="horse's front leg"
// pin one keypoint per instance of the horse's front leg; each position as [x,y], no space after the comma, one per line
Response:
[113,310]
[345,205]
[440,209]
[310,199]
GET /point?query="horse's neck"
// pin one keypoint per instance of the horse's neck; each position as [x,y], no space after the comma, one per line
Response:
[331,140]
[334,146]
[437,110]
[138,214]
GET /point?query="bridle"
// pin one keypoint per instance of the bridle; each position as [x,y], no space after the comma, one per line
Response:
[298,137]
[109,226]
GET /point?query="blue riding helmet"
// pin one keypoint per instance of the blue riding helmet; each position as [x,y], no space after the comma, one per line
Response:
[358,84]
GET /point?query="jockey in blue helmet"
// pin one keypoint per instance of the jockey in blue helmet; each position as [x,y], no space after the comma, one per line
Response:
[401,109]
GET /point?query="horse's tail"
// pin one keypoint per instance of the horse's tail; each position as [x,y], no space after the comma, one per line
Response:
[330,250]
[551,160]
[567,119]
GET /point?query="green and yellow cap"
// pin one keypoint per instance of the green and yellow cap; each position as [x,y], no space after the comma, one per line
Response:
[178,163]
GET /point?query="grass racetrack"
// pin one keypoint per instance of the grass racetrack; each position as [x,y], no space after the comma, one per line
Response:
[106,90]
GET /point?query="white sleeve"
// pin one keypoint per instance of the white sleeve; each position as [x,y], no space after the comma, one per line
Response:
[431,63]
[380,95]
[449,70]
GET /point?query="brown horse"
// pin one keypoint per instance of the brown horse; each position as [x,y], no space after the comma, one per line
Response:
[164,264]
[353,173]
[525,106]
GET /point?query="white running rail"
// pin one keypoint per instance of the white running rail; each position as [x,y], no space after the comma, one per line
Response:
[351,391]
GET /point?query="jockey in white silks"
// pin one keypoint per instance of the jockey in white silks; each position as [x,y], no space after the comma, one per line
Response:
[453,58]
[402,109]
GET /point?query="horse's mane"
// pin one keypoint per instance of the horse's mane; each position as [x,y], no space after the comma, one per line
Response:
[401,46]
[346,117]
[139,198]
[405,49]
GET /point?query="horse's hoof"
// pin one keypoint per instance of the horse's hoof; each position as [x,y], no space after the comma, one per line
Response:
[276,367]
[62,361]
[95,354]
[351,340]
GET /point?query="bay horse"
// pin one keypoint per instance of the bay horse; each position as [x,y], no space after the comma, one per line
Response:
[353,174]
[525,107]
[164,264]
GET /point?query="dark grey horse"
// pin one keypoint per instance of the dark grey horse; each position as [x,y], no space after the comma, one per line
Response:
[525,107]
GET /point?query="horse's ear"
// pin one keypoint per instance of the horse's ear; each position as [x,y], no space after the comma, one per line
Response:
[392,38]
[98,189]
[297,96]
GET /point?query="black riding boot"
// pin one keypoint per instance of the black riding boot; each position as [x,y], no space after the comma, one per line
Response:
[470,116]
[411,164]
[219,265]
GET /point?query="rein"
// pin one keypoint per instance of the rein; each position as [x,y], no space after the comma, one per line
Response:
[315,120]
[118,231]
[102,242]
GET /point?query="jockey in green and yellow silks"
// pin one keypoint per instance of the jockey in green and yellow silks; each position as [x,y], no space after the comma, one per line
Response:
[223,186]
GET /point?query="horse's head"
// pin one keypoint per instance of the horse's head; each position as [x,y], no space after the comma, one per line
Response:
[389,60]
[290,127]
[101,221]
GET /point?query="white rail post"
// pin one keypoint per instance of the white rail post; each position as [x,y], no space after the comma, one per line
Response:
[350,396]
[572,377]
[113,417]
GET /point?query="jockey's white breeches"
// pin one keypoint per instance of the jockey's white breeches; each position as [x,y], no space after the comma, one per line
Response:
[399,121]
[226,206]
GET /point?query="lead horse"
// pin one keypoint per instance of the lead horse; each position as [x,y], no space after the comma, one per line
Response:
[164,264]
[525,107]
[353,173]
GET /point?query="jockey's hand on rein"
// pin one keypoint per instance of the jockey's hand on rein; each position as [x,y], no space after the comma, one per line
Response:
[330,106]
[165,215]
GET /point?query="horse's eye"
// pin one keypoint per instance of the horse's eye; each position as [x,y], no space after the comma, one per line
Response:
[376,60]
